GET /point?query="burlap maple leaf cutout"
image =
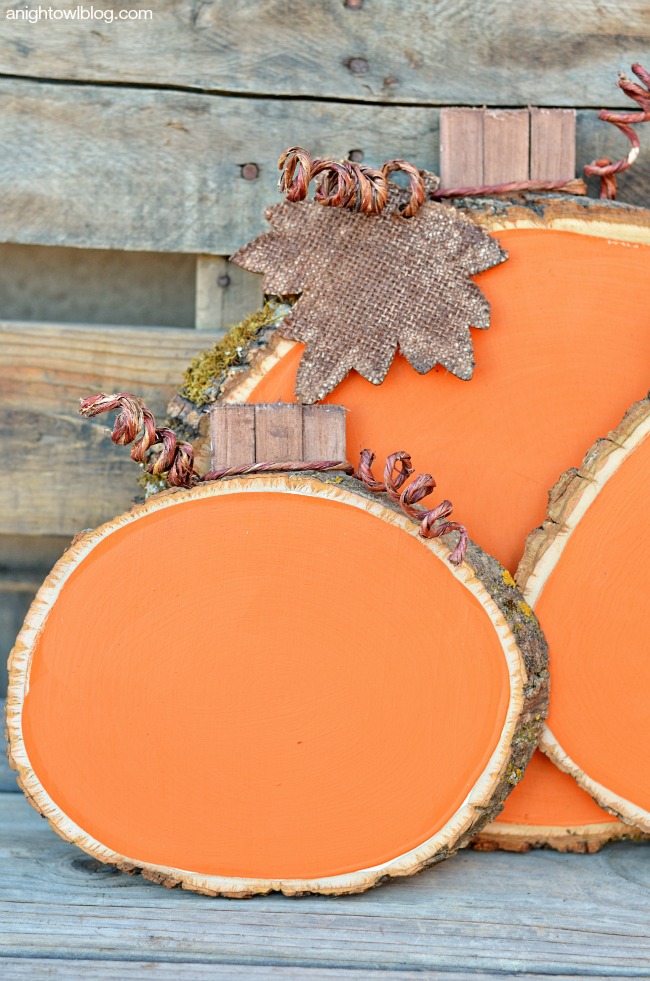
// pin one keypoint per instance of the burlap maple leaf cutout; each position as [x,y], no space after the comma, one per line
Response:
[371,283]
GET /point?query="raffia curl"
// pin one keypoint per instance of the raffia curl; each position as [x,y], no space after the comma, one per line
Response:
[397,471]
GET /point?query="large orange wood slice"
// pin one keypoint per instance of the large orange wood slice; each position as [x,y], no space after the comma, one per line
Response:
[273,683]
[586,573]
[567,352]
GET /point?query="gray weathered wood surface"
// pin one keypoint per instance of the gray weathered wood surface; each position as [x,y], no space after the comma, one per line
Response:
[539,52]
[138,169]
[61,473]
[479,914]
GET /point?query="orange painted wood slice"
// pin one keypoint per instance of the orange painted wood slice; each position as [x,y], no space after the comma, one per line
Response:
[548,809]
[273,683]
[586,573]
[567,352]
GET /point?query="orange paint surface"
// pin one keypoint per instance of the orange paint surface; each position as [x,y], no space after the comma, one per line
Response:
[263,685]
[567,353]
[550,798]
[594,611]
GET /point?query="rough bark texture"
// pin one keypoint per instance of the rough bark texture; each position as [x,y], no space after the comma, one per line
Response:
[584,840]
[524,636]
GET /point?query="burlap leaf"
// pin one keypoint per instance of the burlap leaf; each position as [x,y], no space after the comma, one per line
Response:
[371,283]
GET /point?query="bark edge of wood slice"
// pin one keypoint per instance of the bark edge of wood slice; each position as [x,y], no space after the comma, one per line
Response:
[569,501]
[519,635]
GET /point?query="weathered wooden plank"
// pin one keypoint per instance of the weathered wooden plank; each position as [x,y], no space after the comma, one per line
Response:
[552,144]
[461,147]
[24,563]
[62,473]
[74,159]
[232,435]
[17,968]
[567,914]
[93,287]
[8,783]
[379,51]
[506,145]
[225,293]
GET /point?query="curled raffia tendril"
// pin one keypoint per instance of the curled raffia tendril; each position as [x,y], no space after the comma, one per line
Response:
[603,167]
[175,459]
[397,471]
[345,183]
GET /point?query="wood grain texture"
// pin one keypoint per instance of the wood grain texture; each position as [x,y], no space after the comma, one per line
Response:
[232,436]
[552,144]
[567,915]
[461,147]
[8,782]
[225,293]
[555,54]
[65,970]
[79,154]
[74,159]
[278,432]
[323,432]
[71,475]
[506,143]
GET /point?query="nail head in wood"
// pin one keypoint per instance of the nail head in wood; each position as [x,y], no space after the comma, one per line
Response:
[250,171]
[358,66]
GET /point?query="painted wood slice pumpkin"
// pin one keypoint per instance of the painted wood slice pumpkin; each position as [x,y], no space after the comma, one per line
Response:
[567,351]
[548,809]
[273,683]
[586,573]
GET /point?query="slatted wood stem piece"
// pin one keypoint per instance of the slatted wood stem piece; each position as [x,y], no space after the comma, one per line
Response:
[288,782]
[496,146]
[276,432]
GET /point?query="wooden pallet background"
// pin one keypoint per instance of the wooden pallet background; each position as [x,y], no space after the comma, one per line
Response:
[136,156]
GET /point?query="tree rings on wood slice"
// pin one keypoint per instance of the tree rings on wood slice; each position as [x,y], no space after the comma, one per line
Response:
[586,573]
[566,354]
[549,810]
[273,683]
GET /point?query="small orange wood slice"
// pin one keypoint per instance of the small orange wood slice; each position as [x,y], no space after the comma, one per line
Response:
[567,352]
[586,573]
[273,683]
[548,809]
